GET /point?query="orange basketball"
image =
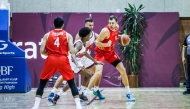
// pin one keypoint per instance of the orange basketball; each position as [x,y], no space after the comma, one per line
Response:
[124,40]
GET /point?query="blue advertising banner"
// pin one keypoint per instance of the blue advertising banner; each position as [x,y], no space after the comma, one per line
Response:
[14,73]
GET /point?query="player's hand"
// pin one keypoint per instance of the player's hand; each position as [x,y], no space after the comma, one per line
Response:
[87,44]
[109,43]
[183,61]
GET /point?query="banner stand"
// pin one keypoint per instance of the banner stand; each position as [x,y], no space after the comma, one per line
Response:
[14,74]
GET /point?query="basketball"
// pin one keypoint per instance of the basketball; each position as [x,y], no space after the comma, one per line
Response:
[124,40]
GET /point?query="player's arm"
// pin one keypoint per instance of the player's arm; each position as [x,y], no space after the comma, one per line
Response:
[78,47]
[90,57]
[119,35]
[103,34]
[183,50]
[43,45]
[72,49]
[96,35]
[77,37]
[70,44]
[183,54]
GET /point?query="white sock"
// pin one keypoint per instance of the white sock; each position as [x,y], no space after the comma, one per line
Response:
[64,82]
[127,89]
[86,91]
[54,90]
[96,88]
[37,102]
[60,92]
[82,89]
[77,101]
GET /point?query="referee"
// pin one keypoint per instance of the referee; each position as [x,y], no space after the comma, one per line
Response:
[186,46]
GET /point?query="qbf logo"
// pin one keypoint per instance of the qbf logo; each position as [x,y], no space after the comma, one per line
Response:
[5,70]
[4,45]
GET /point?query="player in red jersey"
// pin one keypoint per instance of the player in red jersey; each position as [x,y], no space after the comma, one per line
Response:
[56,45]
[87,63]
[105,51]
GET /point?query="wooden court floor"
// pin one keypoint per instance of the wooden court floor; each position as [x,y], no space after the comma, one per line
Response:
[146,98]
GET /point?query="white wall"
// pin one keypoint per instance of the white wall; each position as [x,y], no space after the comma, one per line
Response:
[181,6]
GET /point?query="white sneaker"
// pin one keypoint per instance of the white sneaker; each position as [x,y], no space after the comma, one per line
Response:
[86,93]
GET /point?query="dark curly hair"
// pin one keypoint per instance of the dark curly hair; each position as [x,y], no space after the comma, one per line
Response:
[83,32]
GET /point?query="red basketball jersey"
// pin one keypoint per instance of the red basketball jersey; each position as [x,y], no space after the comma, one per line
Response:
[113,36]
[57,42]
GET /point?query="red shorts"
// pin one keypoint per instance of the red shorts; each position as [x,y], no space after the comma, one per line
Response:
[55,63]
[109,56]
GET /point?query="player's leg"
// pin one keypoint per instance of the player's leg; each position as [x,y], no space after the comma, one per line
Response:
[98,56]
[58,83]
[119,66]
[124,78]
[94,78]
[39,93]
[87,75]
[66,87]
[75,93]
[92,70]
[116,62]
[96,90]
[60,79]
[48,70]
[187,91]
[65,69]
[87,64]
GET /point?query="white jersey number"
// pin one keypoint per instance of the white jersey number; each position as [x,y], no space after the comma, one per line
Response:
[57,42]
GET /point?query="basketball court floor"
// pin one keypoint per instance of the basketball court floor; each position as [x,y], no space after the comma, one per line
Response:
[146,98]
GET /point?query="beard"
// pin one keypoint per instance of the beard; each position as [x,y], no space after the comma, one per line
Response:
[112,27]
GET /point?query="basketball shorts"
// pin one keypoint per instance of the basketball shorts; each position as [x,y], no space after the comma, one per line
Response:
[84,61]
[109,56]
[55,63]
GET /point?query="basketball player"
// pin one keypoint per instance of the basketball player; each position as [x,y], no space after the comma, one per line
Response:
[105,51]
[56,45]
[186,49]
[88,64]
[90,24]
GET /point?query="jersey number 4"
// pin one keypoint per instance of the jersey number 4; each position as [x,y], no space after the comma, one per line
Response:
[57,42]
